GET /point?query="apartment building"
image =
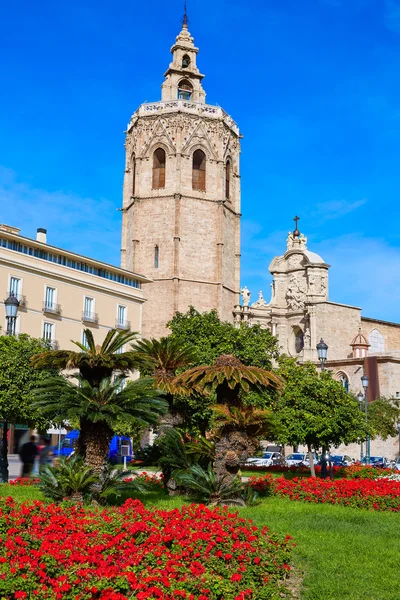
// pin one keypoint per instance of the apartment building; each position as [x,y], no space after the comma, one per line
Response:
[61,293]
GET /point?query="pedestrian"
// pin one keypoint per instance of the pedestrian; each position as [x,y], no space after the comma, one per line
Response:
[45,454]
[27,454]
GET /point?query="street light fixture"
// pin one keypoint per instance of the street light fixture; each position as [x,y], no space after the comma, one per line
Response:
[322,350]
[361,402]
[365,382]
[11,304]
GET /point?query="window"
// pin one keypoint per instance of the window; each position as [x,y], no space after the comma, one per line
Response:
[156,257]
[133,171]
[121,314]
[88,309]
[50,298]
[377,341]
[344,380]
[159,169]
[185,90]
[299,340]
[185,62]
[15,284]
[48,332]
[199,171]
[228,179]
[84,340]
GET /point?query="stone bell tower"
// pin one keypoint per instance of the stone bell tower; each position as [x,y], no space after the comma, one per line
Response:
[181,204]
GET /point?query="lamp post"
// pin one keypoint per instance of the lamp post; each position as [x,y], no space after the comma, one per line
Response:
[361,402]
[322,350]
[11,304]
[365,381]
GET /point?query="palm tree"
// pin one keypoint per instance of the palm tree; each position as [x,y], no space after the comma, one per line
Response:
[94,362]
[228,377]
[99,408]
[162,359]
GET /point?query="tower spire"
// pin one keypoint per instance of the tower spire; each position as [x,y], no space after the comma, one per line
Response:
[185,19]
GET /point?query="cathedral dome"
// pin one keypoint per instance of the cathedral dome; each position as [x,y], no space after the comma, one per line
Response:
[313,257]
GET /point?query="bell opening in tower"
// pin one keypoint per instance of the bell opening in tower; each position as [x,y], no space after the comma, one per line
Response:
[185,90]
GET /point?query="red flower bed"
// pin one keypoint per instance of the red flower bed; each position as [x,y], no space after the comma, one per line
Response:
[378,494]
[353,472]
[67,552]
[23,481]
[151,481]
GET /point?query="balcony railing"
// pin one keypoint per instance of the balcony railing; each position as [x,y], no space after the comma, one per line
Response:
[122,324]
[21,299]
[51,308]
[53,344]
[90,317]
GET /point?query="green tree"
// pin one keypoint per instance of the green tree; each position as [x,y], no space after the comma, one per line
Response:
[315,410]
[384,416]
[210,338]
[100,409]
[18,379]
[237,426]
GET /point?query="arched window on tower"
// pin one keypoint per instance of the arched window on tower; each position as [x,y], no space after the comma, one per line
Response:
[185,62]
[344,380]
[228,179]
[156,256]
[199,171]
[185,90]
[377,341]
[133,171]
[298,340]
[159,169]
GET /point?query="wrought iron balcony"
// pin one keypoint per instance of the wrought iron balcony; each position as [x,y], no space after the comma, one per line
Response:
[90,317]
[21,299]
[122,324]
[51,308]
[53,344]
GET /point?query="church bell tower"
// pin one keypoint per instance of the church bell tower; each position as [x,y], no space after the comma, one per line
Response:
[181,204]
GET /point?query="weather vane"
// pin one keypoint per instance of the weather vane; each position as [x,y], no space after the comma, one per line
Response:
[185,19]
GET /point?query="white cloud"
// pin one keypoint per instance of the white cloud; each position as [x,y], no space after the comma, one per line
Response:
[334,209]
[88,226]
[392,15]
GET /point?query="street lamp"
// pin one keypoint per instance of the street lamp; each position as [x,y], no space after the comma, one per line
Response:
[322,350]
[361,402]
[365,381]
[12,305]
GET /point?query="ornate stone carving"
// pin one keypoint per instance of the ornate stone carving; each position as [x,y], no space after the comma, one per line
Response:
[260,302]
[245,292]
[295,293]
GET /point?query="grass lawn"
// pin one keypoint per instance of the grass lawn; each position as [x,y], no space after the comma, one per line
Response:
[342,553]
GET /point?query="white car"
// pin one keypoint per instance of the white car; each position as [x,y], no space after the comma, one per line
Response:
[267,460]
[294,459]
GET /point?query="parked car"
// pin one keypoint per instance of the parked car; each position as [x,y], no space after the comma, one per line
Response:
[267,460]
[339,460]
[376,461]
[299,458]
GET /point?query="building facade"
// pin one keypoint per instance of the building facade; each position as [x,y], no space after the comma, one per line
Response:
[61,293]
[300,313]
[181,200]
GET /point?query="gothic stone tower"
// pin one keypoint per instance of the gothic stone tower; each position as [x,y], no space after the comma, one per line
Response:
[181,206]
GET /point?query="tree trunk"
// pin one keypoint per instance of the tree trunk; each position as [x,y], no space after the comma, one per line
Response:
[97,440]
[311,459]
[4,455]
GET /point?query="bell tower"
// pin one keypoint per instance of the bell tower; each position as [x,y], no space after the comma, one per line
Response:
[181,199]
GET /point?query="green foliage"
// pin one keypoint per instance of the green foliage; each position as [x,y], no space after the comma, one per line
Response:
[211,337]
[73,478]
[316,410]
[138,403]
[18,380]
[173,452]
[201,449]
[207,487]
[383,416]
[70,478]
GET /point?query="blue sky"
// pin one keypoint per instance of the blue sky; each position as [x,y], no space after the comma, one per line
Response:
[313,84]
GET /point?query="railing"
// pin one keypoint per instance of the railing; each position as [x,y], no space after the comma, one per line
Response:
[54,345]
[122,324]
[90,317]
[51,308]
[188,106]
[21,299]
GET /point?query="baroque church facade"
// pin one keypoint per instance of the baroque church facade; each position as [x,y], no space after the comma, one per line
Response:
[181,199]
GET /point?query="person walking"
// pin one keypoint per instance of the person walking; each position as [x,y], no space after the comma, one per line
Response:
[45,454]
[27,454]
